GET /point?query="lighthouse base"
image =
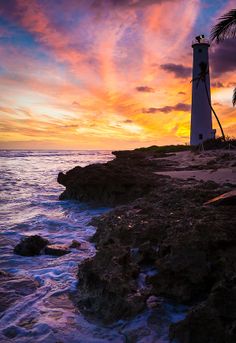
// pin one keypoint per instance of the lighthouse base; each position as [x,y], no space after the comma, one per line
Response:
[198,138]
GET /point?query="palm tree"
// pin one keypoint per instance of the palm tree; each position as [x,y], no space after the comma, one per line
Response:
[234,97]
[226,28]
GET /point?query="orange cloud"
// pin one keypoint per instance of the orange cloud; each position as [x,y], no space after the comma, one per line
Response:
[74,85]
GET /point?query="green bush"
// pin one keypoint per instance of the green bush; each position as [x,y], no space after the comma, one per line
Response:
[165,148]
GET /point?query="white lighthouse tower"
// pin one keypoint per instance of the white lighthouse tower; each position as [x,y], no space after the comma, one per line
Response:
[201,120]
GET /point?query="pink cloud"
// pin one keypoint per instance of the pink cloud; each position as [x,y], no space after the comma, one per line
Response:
[94,60]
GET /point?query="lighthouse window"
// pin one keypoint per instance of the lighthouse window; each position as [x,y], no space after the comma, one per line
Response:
[200,136]
[200,50]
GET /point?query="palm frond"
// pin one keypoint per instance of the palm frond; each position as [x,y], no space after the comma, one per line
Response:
[234,97]
[226,28]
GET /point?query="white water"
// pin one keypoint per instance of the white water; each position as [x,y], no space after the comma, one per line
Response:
[30,205]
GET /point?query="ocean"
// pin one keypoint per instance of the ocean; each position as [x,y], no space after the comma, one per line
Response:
[29,206]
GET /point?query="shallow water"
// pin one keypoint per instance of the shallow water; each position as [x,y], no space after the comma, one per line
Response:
[30,205]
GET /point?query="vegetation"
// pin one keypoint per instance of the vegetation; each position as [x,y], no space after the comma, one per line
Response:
[166,148]
[225,29]
[219,143]
[210,144]
[234,97]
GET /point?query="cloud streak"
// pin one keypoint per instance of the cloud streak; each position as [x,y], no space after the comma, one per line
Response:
[167,109]
[179,70]
[86,73]
[127,3]
[145,89]
[224,57]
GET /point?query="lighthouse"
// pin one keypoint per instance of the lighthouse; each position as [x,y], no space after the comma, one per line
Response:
[201,120]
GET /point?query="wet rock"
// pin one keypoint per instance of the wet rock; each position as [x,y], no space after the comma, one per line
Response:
[201,326]
[109,288]
[191,246]
[188,267]
[116,182]
[75,244]
[13,288]
[28,321]
[56,250]
[223,299]
[162,226]
[31,246]
[135,255]
[11,331]
[36,245]
[211,321]
[153,301]
[225,199]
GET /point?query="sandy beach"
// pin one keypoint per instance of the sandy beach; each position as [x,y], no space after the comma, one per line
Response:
[217,165]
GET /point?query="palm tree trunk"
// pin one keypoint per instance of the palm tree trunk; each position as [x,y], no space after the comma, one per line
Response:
[234,97]
[209,101]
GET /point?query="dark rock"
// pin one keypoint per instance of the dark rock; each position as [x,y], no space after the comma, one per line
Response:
[192,247]
[211,321]
[153,301]
[107,186]
[11,331]
[223,299]
[56,250]
[109,291]
[75,244]
[31,246]
[202,325]
[36,245]
[126,178]
[165,228]
[210,184]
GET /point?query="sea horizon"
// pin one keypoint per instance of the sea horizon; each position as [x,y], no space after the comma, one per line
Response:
[118,171]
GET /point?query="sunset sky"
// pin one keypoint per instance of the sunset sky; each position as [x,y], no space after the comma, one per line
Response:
[106,74]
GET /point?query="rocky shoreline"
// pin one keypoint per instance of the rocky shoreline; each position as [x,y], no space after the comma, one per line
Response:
[162,241]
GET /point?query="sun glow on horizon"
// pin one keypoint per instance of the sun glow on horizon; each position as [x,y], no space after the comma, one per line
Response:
[97,74]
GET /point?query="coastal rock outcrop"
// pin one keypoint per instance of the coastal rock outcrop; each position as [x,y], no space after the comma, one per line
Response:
[117,182]
[56,250]
[187,246]
[213,320]
[37,245]
[107,285]
[75,244]
[31,246]
[164,242]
